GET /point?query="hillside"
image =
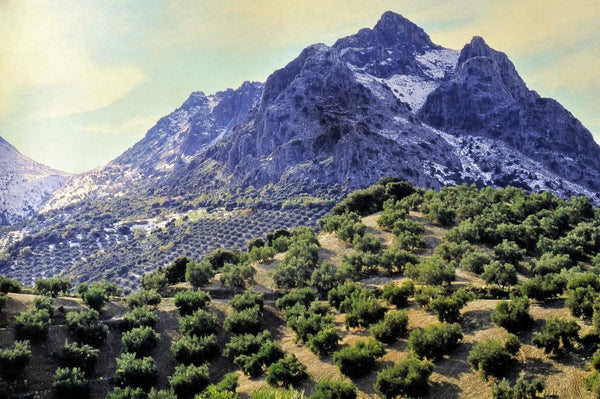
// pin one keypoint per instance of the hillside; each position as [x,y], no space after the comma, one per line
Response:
[483,246]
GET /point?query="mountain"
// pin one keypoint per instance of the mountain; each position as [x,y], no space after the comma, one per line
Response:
[25,185]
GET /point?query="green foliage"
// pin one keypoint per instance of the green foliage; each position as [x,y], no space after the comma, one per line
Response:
[360,264]
[580,300]
[274,393]
[339,294]
[195,350]
[44,303]
[175,272]
[407,378]
[364,202]
[9,285]
[95,297]
[139,317]
[362,309]
[199,274]
[366,243]
[136,372]
[252,352]
[498,273]
[14,359]
[246,344]
[143,298]
[592,384]
[286,372]
[509,252]
[526,387]
[225,389]
[155,280]
[279,233]
[439,212]
[219,257]
[358,360]
[347,225]
[393,326]
[392,211]
[262,254]
[326,277]
[187,381]
[127,393]
[435,340]
[556,331]
[331,389]
[32,324]
[550,263]
[238,276]
[424,295]
[299,262]
[86,327]
[432,271]
[52,286]
[475,261]
[395,259]
[513,315]
[281,244]
[188,301]
[492,357]
[140,340]
[450,250]
[543,287]
[304,296]
[70,382]
[244,321]
[255,243]
[199,323]
[3,301]
[398,295]
[247,300]
[76,355]
[448,307]
[325,341]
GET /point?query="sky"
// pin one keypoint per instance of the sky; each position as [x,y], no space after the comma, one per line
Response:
[81,81]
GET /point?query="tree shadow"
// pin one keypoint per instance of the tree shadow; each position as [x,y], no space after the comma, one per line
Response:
[480,319]
[444,389]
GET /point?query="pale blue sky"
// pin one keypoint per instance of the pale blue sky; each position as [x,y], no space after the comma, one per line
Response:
[83,80]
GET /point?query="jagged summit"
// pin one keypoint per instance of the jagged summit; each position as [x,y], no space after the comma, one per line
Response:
[394,29]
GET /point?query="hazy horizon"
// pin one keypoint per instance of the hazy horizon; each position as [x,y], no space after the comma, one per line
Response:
[83,82]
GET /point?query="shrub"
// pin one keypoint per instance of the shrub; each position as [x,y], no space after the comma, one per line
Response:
[32,325]
[155,280]
[327,277]
[407,378]
[551,263]
[393,326]
[275,393]
[247,300]
[398,295]
[70,382]
[395,259]
[86,327]
[175,272]
[475,262]
[281,244]
[304,296]
[9,285]
[219,257]
[136,372]
[330,389]
[580,301]
[143,298]
[491,358]
[139,317]
[543,287]
[364,202]
[279,233]
[188,301]
[452,251]
[298,264]
[513,315]
[262,254]
[337,295]
[246,344]
[325,341]
[435,340]
[526,387]
[14,359]
[187,381]
[255,243]
[225,389]
[237,275]
[555,331]
[95,298]
[44,303]
[244,321]
[199,323]
[439,212]
[509,252]
[286,371]
[592,384]
[76,355]
[424,295]
[195,350]
[140,340]
[252,363]
[431,271]
[366,243]
[127,393]
[501,274]
[448,307]
[358,360]
[52,286]
[362,309]
[360,264]
[199,274]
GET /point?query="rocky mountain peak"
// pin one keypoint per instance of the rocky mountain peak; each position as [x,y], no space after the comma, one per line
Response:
[393,29]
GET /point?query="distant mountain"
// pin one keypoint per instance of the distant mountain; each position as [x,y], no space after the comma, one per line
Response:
[25,185]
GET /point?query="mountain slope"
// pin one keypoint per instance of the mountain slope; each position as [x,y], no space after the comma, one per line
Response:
[25,185]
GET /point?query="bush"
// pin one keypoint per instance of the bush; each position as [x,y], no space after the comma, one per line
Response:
[526,387]
[199,274]
[140,340]
[262,254]
[555,331]
[550,263]
[337,295]
[247,300]
[424,295]
[14,359]
[439,212]
[514,315]
[435,340]
[475,262]
[398,295]
[509,252]
[225,389]
[592,384]
[407,378]
[330,389]
[304,296]
[187,381]
[395,259]
[543,287]
[127,393]
[44,303]
[246,344]
[136,372]
[501,274]
[95,298]
[155,280]
[139,317]
[364,202]
[199,323]
[76,355]
[325,341]
[448,307]
[219,257]
[143,298]
[237,276]
[175,272]
[281,244]
[359,264]
[580,301]
[70,382]
[195,350]
[32,325]
[252,364]
[86,327]
[431,271]
[9,285]
[286,372]
[255,243]
[366,243]
[52,286]
[358,360]
[393,326]
[244,321]
[362,309]
[491,357]
[187,302]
